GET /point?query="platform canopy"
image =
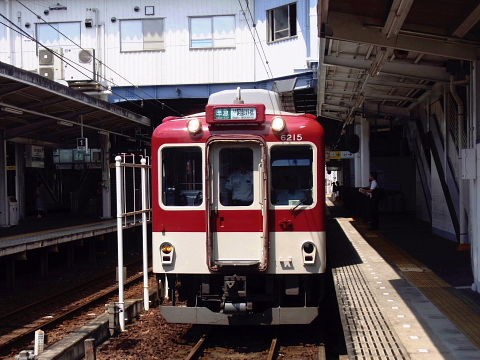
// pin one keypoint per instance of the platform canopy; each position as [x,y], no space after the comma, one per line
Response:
[382,58]
[35,110]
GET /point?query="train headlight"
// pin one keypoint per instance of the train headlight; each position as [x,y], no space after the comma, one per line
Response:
[309,252]
[167,251]
[194,126]
[278,124]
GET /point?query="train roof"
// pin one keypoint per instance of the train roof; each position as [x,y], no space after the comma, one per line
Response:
[270,99]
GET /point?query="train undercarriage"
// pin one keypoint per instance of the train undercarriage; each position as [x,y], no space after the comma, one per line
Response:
[227,299]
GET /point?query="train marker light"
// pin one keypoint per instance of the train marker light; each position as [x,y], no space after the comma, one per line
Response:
[309,252]
[166,251]
[278,124]
[194,126]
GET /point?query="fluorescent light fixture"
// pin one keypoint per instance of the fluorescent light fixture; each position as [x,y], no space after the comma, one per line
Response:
[12,110]
[64,123]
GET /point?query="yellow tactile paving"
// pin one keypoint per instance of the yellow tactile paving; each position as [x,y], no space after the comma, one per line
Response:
[462,313]
[425,279]
[458,311]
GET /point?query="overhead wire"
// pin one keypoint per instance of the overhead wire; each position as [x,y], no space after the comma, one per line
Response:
[100,62]
[54,53]
[265,62]
[73,42]
[258,36]
[253,33]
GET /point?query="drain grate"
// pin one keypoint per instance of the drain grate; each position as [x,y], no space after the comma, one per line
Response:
[367,332]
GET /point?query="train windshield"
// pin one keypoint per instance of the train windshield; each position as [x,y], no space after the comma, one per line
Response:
[182,179]
[291,168]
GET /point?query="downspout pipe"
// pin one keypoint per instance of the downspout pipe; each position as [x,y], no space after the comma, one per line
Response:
[462,236]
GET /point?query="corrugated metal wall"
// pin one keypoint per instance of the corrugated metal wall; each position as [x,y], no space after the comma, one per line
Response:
[177,63]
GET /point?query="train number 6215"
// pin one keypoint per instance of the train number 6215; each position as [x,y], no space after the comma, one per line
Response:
[291,137]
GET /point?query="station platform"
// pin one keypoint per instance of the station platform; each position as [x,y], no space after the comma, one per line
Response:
[54,229]
[403,293]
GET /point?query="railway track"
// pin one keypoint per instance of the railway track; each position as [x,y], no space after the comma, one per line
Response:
[206,348]
[20,324]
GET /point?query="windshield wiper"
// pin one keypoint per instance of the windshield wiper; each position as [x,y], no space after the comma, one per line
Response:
[307,200]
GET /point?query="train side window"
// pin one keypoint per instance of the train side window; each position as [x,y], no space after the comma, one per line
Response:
[182,180]
[291,169]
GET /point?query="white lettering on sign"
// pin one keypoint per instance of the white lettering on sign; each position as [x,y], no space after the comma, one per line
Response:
[291,137]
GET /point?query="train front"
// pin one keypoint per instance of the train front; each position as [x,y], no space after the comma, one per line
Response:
[238,213]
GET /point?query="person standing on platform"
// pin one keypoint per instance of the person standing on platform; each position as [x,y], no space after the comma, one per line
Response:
[40,205]
[373,193]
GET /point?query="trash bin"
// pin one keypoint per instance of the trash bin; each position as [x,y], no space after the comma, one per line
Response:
[13,206]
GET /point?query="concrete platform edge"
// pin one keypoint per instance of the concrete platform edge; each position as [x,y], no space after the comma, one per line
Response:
[72,346]
[422,329]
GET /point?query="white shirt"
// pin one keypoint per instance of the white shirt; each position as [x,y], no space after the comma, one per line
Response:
[241,185]
[373,186]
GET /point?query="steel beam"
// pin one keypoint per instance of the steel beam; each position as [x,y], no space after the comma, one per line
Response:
[467,24]
[396,17]
[428,72]
[381,82]
[389,97]
[372,108]
[352,28]
[199,91]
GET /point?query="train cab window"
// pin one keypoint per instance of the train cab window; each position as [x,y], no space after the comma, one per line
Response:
[236,176]
[182,182]
[291,169]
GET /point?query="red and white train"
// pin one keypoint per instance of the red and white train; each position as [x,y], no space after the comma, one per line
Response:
[239,212]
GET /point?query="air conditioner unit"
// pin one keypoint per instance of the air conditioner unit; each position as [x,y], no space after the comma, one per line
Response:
[50,63]
[79,64]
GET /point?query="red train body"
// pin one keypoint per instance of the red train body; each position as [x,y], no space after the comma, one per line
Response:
[238,212]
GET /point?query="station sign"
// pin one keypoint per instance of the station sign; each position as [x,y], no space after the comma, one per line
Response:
[35,156]
[82,144]
[339,155]
[235,114]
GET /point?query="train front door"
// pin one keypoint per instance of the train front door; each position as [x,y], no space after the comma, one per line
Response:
[237,204]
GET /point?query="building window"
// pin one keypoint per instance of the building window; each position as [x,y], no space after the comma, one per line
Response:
[141,35]
[282,22]
[59,34]
[212,32]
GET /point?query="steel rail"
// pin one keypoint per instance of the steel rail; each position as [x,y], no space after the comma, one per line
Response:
[47,322]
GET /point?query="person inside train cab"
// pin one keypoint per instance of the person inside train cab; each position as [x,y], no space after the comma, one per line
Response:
[240,185]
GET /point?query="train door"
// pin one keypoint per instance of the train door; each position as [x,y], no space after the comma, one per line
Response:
[237,205]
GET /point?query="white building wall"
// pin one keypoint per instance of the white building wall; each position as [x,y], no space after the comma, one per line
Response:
[441,220]
[177,63]
[4,47]
[286,56]
[421,204]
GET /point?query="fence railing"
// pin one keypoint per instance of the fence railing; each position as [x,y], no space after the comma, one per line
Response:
[133,205]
